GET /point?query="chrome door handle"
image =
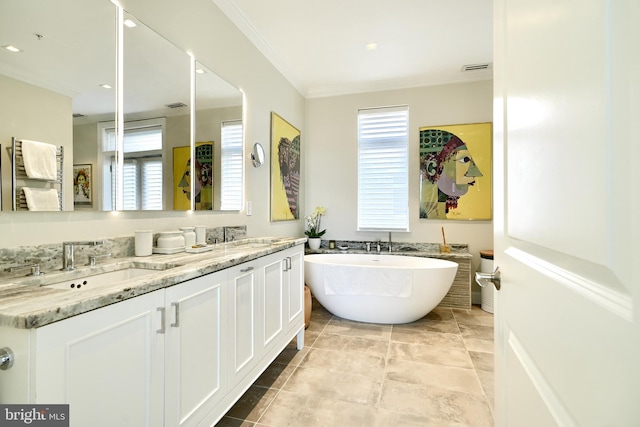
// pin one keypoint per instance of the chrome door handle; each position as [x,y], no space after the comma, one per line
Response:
[177,315]
[162,320]
[483,279]
[6,358]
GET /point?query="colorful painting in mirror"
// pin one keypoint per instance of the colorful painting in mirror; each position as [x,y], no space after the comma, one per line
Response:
[455,172]
[204,177]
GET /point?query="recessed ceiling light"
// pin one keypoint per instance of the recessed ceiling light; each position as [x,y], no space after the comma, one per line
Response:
[200,71]
[372,46]
[12,48]
[129,23]
[106,86]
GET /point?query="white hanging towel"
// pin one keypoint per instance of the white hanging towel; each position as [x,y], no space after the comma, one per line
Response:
[39,160]
[42,199]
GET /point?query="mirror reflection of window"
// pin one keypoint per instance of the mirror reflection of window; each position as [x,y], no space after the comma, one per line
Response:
[142,169]
[231,176]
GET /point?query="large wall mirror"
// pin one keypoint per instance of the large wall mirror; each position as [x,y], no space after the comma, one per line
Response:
[63,92]
[57,71]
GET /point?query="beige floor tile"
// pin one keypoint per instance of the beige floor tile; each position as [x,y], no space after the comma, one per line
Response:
[487,381]
[352,344]
[334,385]
[440,376]
[439,406]
[476,344]
[482,361]
[438,339]
[339,361]
[275,375]
[386,418]
[252,403]
[291,355]
[430,354]
[296,410]
[340,326]
[435,372]
[440,314]
[475,316]
[429,326]
[477,331]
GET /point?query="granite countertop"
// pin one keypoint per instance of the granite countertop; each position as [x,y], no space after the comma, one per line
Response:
[426,252]
[29,303]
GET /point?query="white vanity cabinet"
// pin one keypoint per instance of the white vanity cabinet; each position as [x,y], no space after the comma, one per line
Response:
[107,364]
[153,359]
[178,356]
[242,334]
[196,319]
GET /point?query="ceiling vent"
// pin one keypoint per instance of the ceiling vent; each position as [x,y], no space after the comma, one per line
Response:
[76,115]
[476,67]
[176,105]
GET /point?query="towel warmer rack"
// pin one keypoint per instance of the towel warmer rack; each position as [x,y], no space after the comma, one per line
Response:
[18,174]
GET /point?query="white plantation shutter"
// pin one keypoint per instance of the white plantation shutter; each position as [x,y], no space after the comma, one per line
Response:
[383,169]
[142,180]
[130,180]
[231,177]
[151,183]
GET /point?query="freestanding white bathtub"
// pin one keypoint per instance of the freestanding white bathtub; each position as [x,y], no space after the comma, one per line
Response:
[378,288]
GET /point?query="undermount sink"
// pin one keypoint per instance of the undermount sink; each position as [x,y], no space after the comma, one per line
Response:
[102,279]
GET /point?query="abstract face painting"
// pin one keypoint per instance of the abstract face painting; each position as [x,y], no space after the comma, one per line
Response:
[453,165]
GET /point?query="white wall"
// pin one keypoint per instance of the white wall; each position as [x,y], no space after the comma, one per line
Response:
[330,157]
[30,112]
[199,27]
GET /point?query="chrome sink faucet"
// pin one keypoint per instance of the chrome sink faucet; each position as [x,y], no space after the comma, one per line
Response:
[68,259]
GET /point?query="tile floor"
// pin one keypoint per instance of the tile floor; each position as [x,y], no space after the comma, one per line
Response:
[437,371]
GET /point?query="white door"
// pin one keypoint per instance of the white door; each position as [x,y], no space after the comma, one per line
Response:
[566,82]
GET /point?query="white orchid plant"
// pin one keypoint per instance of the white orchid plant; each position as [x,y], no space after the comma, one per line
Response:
[313,223]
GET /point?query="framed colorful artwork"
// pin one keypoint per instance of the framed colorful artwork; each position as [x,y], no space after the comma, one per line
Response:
[182,177]
[456,172]
[82,185]
[285,170]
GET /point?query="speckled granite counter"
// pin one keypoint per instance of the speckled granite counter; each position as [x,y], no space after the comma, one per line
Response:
[459,296]
[29,303]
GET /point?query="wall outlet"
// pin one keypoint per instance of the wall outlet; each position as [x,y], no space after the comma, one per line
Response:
[249,208]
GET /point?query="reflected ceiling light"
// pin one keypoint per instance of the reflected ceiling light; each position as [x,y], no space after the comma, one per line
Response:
[372,46]
[200,71]
[106,86]
[129,23]
[11,48]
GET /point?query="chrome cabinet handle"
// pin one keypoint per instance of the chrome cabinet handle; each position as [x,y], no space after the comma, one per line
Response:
[244,270]
[177,313]
[162,319]
[6,358]
[483,279]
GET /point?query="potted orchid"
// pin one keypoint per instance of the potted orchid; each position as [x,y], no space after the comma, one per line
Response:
[313,231]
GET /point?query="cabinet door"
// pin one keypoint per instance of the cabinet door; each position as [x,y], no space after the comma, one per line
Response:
[294,288]
[243,334]
[107,364]
[272,307]
[194,378]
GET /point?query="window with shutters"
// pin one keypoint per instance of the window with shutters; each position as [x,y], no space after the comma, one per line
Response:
[142,169]
[231,187]
[383,169]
